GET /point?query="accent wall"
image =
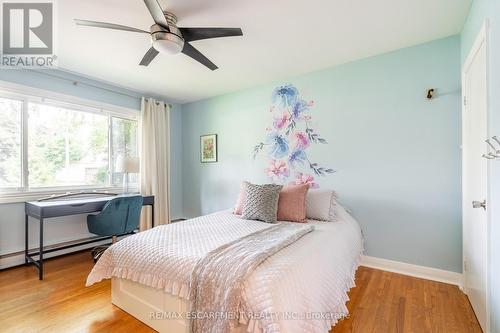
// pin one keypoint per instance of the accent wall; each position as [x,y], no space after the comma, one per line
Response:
[396,154]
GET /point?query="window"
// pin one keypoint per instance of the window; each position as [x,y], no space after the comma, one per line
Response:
[10,143]
[47,146]
[124,144]
[66,147]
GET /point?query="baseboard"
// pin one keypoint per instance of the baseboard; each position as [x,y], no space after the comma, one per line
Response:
[422,272]
[17,258]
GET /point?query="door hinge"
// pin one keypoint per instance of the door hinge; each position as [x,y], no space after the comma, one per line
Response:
[465,100]
[479,204]
[465,266]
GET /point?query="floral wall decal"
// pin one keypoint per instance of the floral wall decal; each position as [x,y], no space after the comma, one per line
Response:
[289,138]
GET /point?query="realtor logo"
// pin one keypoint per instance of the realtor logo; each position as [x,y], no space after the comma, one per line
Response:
[28,34]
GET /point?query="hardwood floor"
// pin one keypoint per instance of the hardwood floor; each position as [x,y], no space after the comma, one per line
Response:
[381,302]
[388,302]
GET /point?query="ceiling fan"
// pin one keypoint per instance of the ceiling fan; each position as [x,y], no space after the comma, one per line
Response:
[167,37]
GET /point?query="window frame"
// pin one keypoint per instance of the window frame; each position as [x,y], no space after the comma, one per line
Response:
[33,95]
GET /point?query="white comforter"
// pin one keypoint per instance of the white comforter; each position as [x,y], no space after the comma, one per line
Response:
[302,288]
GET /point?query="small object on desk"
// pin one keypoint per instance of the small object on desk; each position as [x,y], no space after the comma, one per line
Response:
[74,194]
[42,210]
[127,165]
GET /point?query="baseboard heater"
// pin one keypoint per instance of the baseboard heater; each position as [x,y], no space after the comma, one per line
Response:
[58,246]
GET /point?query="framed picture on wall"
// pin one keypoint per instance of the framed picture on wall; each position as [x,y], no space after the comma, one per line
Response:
[208,148]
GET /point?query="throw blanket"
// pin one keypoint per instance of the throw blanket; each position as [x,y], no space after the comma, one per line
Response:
[217,281]
[164,257]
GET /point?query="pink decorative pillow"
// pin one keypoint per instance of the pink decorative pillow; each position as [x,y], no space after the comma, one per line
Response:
[292,203]
[238,208]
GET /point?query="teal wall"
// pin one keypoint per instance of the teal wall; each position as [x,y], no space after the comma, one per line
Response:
[176,188]
[397,154]
[62,82]
[481,10]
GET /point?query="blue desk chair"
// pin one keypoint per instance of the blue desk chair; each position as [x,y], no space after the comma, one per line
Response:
[120,216]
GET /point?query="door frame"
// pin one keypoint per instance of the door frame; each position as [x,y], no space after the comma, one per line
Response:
[481,38]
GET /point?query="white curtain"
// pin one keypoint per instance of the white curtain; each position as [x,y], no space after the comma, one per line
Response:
[155,157]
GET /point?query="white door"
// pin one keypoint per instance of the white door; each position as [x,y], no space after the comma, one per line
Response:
[475,179]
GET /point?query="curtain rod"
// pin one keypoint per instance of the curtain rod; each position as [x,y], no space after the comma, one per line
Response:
[76,83]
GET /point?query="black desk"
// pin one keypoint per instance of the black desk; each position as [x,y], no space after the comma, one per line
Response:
[47,209]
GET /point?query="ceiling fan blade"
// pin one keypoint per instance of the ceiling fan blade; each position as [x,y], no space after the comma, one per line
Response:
[156,12]
[108,26]
[192,34]
[190,51]
[149,56]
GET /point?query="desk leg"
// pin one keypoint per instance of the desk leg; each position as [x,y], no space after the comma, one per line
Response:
[152,215]
[26,239]
[40,269]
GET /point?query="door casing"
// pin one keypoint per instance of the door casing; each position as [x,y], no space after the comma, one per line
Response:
[482,38]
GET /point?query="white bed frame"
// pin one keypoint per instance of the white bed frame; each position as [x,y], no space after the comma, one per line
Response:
[144,302]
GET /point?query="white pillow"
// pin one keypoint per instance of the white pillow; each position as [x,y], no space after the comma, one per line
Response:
[321,205]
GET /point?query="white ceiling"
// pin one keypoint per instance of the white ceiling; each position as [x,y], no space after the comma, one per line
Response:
[282,38]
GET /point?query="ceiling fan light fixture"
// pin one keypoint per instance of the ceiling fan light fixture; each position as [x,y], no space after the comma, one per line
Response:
[167,38]
[167,43]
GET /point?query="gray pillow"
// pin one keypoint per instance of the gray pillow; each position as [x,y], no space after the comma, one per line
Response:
[261,202]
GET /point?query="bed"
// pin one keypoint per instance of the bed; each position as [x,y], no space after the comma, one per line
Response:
[301,288]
